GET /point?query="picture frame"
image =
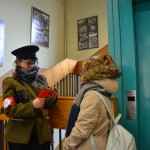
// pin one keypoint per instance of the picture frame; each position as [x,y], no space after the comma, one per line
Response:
[88,33]
[40,27]
[2,32]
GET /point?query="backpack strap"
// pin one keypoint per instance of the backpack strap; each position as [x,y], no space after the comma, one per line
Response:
[115,121]
[93,142]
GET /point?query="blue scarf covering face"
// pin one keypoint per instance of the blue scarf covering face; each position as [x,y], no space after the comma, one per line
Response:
[26,75]
[75,109]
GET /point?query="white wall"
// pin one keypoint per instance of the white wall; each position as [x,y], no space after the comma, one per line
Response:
[17,17]
[80,9]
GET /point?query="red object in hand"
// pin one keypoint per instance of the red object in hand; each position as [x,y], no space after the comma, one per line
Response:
[44,93]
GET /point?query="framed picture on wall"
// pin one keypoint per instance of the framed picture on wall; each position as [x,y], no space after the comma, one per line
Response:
[87,33]
[2,28]
[40,27]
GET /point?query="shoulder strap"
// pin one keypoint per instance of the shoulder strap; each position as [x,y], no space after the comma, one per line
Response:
[107,107]
[93,142]
[112,116]
[29,88]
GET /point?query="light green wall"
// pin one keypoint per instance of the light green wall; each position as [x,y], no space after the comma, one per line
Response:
[80,9]
[17,16]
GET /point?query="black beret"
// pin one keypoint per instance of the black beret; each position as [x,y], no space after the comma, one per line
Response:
[26,52]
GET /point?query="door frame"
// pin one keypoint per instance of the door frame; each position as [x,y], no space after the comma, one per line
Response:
[122,48]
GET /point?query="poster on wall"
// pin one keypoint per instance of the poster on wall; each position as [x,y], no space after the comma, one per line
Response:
[88,33]
[40,27]
[2,28]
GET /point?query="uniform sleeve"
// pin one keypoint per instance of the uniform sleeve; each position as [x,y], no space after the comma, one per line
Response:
[85,123]
[49,102]
[16,110]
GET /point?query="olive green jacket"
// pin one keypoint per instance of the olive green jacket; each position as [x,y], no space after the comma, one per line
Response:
[23,116]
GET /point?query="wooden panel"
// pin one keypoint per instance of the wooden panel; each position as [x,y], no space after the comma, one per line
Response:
[1,101]
[78,66]
[103,50]
[2,116]
[58,117]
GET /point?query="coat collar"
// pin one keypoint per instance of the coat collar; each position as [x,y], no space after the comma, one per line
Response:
[109,84]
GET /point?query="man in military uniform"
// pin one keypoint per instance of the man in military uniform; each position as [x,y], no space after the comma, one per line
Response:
[27,128]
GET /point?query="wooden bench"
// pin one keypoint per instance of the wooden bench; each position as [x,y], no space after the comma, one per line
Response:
[58,116]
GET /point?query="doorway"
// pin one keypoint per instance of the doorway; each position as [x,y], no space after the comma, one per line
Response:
[142,37]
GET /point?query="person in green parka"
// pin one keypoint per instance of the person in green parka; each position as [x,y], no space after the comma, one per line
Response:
[27,128]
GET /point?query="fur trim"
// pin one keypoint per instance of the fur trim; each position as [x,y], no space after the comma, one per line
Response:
[99,72]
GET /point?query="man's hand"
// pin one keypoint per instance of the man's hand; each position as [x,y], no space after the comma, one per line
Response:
[54,93]
[38,102]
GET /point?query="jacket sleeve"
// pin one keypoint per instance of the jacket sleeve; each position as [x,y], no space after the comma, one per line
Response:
[50,103]
[16,110]
[85,123]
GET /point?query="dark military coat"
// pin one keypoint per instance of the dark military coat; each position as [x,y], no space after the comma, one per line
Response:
[23,116]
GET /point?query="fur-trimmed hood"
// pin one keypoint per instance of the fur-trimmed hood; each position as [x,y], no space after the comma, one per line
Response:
[99,72]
